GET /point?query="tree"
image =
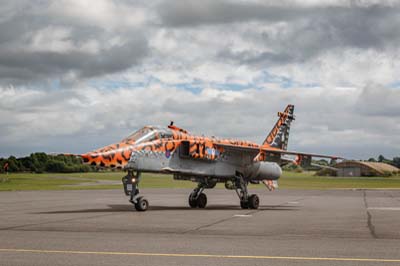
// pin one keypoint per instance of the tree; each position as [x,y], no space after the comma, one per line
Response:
[39,162]
[55,166]
[13,164]
[396,162]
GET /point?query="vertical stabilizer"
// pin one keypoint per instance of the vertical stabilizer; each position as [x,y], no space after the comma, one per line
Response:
[279,135]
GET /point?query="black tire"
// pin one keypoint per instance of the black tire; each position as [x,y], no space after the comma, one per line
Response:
[192,201]
[254,201]
[202,201]
[142,204]
[244,204]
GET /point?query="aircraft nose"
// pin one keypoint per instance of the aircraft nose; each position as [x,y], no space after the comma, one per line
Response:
[92,158]
[111,156]
[85,157]
[102,159]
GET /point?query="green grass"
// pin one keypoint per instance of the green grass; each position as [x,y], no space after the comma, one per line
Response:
[289,180]
[308,180]
[35,182]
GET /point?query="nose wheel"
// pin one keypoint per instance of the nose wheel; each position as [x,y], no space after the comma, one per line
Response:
[141,204]
[131,189]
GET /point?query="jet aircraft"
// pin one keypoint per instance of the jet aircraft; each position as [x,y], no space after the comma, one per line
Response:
[204,160]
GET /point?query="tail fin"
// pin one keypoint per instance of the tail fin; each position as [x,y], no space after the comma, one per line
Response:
[279,135]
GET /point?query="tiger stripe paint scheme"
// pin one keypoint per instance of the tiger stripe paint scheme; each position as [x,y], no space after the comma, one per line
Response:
[167,140]
[279,135]
[117,155]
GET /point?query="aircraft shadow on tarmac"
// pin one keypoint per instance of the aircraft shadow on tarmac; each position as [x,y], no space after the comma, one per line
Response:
[130,208]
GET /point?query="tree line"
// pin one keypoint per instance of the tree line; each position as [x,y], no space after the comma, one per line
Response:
[41,162]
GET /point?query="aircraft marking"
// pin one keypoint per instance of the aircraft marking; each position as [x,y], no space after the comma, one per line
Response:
[144,254]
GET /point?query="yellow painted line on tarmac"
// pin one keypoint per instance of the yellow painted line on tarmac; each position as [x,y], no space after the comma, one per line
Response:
[193,255]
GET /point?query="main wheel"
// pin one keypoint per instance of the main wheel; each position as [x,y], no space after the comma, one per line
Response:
[202,201]
[192,202]
[142,204]
[244,204]
[254,201]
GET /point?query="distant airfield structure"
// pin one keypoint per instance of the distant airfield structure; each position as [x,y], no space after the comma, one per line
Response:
[361,168]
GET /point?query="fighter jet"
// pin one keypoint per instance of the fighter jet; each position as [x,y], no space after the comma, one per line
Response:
[204,160]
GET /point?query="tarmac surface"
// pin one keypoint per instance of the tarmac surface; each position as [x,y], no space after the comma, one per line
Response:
[292,227]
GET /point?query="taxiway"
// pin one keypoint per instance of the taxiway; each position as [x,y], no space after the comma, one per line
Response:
[292,227]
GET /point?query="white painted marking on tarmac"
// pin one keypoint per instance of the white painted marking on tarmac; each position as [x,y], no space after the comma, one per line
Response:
[242,215]
[293,202]
[144,254]
[385,208]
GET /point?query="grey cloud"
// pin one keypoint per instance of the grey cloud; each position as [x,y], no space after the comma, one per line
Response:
[312,30]
[376,100]
[35,65]
[195,13]
[21,64]
[252,58]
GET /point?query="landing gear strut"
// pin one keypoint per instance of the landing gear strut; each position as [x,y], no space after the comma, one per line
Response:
[246,201]
[131,188]
[197,199]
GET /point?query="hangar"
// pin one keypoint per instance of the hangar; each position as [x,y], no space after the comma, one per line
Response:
[362,168]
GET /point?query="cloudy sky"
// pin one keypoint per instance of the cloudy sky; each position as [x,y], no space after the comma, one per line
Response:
[76,75]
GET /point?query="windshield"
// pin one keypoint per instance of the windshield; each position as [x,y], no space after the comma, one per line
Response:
[138,135]
[147,134]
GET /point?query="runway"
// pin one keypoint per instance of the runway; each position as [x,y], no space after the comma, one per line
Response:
[292,227]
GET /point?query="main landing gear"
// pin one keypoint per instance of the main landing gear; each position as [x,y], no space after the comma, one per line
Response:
[246,201]
[197,199]
[131,188]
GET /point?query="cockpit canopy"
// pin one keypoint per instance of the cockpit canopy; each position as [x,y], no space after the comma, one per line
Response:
[149,133]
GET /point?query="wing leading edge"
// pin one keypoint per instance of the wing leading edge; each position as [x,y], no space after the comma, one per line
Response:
[255,151]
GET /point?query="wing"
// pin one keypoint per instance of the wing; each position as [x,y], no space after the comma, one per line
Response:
[240,155]
[252,151]
[301,157]
[278,151]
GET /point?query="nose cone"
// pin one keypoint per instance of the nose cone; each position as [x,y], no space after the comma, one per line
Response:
[115,155]
[85,157]
[95,158]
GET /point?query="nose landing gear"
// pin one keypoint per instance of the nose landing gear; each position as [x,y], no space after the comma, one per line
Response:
[131,188]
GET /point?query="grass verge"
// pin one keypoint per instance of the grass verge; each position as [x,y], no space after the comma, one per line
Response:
[104,180]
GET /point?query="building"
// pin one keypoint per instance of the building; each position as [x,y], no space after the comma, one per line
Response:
[361,168]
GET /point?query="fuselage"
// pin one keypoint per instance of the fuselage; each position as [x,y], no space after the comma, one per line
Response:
[174,150]
[204,160]
[156,139]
